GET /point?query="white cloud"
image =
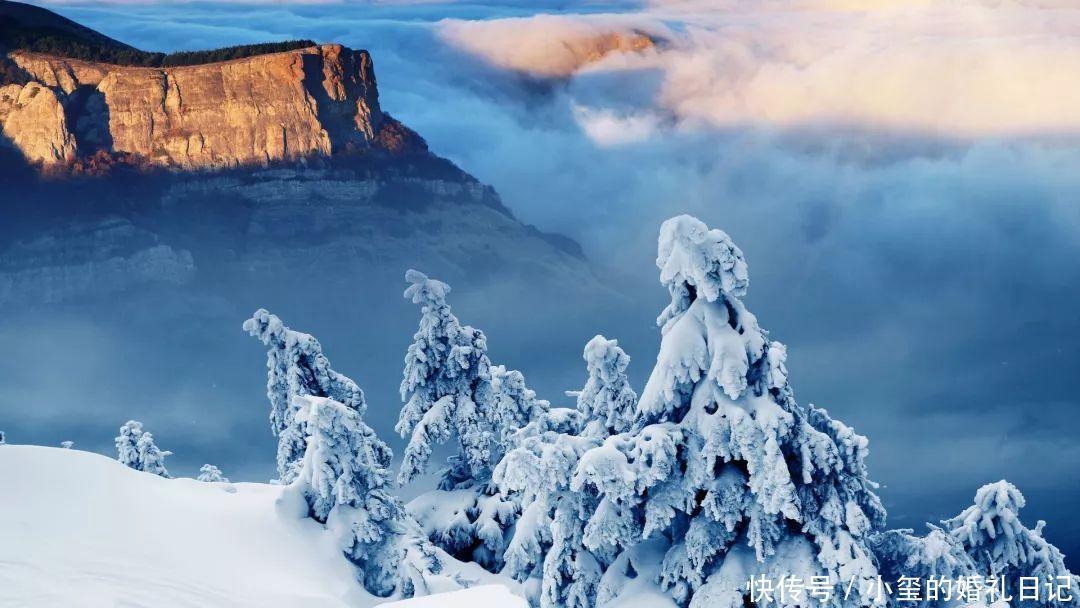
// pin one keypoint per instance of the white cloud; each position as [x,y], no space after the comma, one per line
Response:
[608,128]
[954,68]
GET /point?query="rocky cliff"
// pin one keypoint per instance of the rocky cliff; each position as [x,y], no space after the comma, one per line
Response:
[315,101]
[272,173]
[34,122]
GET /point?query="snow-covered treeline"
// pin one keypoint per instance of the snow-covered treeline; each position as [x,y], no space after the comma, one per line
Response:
[712,478]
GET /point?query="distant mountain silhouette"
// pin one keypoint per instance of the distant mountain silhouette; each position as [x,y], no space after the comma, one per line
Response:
[24,27]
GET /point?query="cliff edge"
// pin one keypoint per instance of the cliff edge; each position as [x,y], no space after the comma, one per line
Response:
[316,101]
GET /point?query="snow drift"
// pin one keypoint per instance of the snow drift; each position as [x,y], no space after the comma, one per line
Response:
[80,529]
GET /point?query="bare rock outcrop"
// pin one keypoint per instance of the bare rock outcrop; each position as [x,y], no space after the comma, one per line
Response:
[281,106]
[33,120]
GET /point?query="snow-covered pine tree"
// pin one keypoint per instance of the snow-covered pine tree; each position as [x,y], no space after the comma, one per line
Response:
[446,388]
[452,391]
[902,555]
[991,533]
[607,401]
[135,449]
[3,438]
[127,451]
[549,538]
[296,367]
[67,445]
[344,477]
[513,404]
[151,458]
[211,474]
[723,470]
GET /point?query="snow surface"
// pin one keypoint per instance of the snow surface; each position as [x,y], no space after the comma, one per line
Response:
[486,596]
[80,529]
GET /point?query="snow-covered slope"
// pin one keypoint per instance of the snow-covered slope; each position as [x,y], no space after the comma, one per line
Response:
[486,596]
[79,529]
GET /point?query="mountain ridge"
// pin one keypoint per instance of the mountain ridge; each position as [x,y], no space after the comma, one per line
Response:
[288,105]
[30,28]
[20,22]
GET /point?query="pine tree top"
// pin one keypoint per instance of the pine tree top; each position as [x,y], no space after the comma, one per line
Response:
[267,327]
[690,255]
[424,290]
[995,514]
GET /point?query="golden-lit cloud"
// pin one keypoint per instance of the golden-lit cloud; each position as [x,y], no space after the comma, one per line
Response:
[938,67]
[553,45]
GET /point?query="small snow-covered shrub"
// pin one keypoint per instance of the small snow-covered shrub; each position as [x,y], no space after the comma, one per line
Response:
[211,474]
[136,449]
